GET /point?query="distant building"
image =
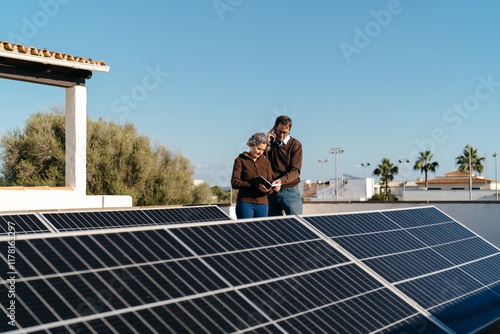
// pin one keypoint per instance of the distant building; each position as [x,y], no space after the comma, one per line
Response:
[453,186]
[396,188]
[458,180]
[350,188]
[198,182]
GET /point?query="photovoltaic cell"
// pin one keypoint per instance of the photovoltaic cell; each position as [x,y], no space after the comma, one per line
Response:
[21,224]
[459,252]
[402,266]
[417,324]
[417,217]
[380,243]
[345,224]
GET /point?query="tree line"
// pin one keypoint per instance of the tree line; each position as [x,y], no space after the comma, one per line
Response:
[387,170]
[119,162]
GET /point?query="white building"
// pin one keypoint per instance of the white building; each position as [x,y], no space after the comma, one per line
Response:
[453,186]
[40,66]
[350,189]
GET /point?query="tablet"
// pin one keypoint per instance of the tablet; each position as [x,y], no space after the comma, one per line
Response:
[260,180]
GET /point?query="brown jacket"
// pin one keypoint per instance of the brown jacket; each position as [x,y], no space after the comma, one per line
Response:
[286,162]
[244,169]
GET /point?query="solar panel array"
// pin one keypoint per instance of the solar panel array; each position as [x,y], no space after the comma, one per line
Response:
[104,219]
[413,271]
[448,270]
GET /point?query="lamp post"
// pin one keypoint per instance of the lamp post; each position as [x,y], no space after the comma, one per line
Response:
[323,180]
[365,164]
[496,173]
[402,161]
[336,151]
[469,146]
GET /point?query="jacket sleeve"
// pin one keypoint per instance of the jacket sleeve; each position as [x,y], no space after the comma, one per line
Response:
[293,169]
[236,181]
[269,175]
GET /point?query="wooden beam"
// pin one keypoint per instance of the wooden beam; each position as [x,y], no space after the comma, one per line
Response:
[45,75]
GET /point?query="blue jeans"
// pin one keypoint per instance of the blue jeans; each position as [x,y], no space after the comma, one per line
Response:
[249,210]
[287,199]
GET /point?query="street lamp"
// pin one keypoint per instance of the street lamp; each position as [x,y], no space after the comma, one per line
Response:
[323,165]
[402,161]
[336,151]
[496,172]
[365,164]
[469,146]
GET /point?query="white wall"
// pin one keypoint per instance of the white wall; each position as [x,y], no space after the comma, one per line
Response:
[26,200]
[349,190]
[449,195]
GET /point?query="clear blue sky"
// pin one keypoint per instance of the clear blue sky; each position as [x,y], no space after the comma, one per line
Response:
[377,78]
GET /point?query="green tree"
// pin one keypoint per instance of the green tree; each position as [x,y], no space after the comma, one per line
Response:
[425,165]
[222,196]
[119,161]
[386,170]
[382,197]
[463,161]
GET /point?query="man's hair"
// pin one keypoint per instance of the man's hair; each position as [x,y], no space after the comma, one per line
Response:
[285,120]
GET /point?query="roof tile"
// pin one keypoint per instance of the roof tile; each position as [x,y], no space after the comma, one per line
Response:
[19,48]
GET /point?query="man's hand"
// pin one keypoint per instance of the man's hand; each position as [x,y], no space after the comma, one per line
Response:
[271,134]
[277,188]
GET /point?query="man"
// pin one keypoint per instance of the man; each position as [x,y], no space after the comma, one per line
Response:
[285,156]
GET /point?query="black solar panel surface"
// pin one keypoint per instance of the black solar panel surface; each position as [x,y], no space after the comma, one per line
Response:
[434,260]
[21,224]
[254,276]
[88,220]
[258,276]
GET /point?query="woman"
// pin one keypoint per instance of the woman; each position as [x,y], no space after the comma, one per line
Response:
[252,199]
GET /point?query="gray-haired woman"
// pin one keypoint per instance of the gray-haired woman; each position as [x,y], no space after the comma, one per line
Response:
[252,198]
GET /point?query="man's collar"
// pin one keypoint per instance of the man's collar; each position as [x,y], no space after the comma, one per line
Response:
[284,142]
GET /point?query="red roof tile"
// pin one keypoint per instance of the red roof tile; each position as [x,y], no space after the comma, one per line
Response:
[29,50]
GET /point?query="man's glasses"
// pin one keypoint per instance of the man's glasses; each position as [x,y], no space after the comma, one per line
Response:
[283,132]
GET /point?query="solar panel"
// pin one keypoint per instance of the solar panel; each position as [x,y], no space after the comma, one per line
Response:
[93,220]
[21,224]
[378,272]
[186,214]
[261,276]
[441,265]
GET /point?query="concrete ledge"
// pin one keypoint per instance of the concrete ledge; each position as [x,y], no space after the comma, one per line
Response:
[41,198]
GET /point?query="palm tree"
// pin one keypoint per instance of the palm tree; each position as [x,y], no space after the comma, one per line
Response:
[425,165]
[463,161]
[386,170]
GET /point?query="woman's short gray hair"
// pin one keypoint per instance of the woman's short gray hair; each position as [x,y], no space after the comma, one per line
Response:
[257,139]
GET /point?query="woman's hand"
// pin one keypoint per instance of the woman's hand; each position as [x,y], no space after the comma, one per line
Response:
[264,189]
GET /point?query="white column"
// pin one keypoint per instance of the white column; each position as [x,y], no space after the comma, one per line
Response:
[76,138]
